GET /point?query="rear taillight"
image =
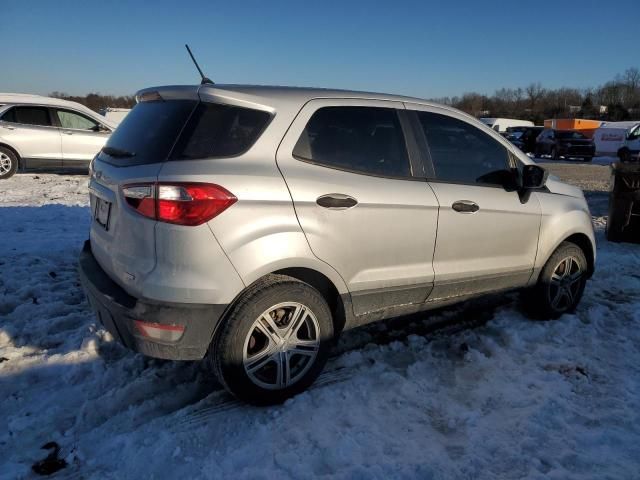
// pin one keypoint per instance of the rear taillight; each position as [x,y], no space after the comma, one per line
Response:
[188,204]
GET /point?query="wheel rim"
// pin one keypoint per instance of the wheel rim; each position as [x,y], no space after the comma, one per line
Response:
[281,345]
[565,284]
[5,163]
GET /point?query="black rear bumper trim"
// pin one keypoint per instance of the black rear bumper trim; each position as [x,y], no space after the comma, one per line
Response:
[117,311]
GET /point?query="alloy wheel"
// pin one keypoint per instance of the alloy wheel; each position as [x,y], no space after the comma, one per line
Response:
[5,163]
[565,284]
[281,345]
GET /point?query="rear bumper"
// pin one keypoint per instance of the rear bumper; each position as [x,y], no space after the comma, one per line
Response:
[577,151]
[118,312]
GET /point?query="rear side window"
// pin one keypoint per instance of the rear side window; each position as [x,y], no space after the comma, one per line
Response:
[462,153]
[147,134]
[216,130]
[28,116]
[362,139]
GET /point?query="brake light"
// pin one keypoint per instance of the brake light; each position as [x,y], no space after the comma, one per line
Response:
[189,204]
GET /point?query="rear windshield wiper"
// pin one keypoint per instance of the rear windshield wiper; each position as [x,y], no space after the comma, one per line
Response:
[116,152]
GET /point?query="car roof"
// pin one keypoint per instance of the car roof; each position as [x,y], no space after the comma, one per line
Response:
[30,99]
[285,96]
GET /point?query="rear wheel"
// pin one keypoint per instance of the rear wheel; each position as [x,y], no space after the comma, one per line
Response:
[624,155]
[275,342]
[560,285]
[8,163]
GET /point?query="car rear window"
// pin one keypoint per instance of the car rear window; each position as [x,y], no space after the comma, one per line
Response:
[156,131]
[147,134]
[216,130]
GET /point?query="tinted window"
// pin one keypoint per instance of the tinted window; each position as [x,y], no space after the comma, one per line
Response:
[28,116]
[461,152]
[148,132]
[76,121]
[364,139]
[216,130]
[570,134]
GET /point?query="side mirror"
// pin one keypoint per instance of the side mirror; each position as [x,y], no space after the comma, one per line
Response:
[533,176]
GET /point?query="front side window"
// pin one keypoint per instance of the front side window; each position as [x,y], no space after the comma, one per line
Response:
[362,139]
[462,153]
[28,116]
[76,121]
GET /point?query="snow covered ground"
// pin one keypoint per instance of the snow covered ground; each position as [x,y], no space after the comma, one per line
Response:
[493,396]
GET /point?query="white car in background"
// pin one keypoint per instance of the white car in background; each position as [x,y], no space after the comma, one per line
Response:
[43,132]
[501,124]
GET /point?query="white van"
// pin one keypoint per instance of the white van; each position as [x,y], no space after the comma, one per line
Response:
[630,149]
[501,124]
[611,137]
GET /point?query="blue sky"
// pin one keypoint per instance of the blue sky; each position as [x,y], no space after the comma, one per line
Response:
[426,49]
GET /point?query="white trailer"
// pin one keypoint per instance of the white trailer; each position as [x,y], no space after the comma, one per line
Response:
[501,124]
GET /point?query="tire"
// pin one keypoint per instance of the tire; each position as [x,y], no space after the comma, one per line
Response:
[541,302]
[624,155]
[8,163]
[616,219]
[258,321]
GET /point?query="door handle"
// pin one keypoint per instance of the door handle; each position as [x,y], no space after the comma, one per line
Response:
[336,201]
[465,206]
[9,127]
[67,132]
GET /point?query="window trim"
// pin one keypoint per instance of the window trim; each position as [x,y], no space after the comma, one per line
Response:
[413,157]
[432,178]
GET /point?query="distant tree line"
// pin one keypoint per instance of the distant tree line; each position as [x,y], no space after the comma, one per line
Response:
[616,100]
[96,102]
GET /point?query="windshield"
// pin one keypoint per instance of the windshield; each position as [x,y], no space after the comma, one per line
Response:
[570,135]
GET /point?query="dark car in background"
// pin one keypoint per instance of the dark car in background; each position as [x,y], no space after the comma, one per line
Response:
[565,143]
[524,137]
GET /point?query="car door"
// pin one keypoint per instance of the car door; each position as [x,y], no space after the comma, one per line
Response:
[30,130]
[487,230]
[361,208]
[82,137]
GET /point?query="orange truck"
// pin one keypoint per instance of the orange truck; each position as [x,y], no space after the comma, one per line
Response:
[587,127]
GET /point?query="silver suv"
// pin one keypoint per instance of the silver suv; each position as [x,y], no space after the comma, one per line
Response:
[249,226]
[43,132]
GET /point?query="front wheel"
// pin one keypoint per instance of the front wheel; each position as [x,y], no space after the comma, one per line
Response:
[560,285]
[274,342]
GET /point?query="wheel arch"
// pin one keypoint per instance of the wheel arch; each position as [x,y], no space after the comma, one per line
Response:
[584,242]
[17,154]
[327,289]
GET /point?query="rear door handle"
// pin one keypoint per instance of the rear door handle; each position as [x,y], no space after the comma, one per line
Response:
[465,206]
[336,201]
[67,132]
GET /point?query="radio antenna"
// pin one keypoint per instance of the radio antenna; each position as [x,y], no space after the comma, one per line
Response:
[204,80]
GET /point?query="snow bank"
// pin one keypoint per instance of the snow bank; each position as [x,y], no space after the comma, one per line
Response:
[509,398]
